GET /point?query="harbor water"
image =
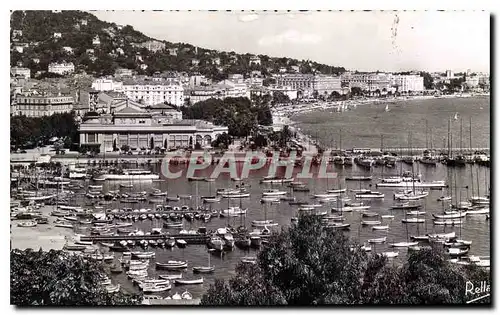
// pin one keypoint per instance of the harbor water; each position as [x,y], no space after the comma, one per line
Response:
[364,126]
[464,182]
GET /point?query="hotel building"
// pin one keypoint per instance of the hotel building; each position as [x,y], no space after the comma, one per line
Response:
[155,91]
[139,128]
[61,68]
[39,105]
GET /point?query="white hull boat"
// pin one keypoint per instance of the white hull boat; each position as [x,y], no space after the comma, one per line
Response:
[170,277]
[186,282]
[478,211]
[370,195]
[447,222]
[416,184]
[415,212]
[380,240]
[380,227]
[456,215]
[404,244]
[131,177]
[411,196]
[370,222]
[326,196]
[237,195]
[272,192]
[390,254]
[413,220]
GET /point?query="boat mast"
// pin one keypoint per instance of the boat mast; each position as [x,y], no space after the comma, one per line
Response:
[470,148]
[426,135]
[461,144]
[449,141]
[340,140]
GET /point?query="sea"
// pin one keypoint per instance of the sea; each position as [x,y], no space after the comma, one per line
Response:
[370,126]
[361,127]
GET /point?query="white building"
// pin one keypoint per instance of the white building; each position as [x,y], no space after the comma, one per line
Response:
[233,89]
[149,92]
[172,51]
[61,68]
[68,49]
[19,48]
[254,60]
[57,35]
[449,74]
[371,82]
[286,90]
[20,72]
[129,124]
[96,40]
[122,72]
[408,83]
[107,85]
[236,77]
[197,80]
[39,106]
[472,81]
[151,45]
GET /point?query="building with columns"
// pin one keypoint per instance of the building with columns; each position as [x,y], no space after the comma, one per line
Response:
[158,126]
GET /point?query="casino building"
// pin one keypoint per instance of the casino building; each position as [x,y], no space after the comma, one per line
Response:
[158,126]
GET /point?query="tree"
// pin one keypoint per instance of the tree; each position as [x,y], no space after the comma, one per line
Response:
[280,98]
[315,94]
[56,278]
[428,80]
[285,136]
[309,264]
[356,91]
[260,141]
[125,148]
[223,141]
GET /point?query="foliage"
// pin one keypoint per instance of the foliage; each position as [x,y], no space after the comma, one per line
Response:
[428,80]
[280,98]
[56,278]
[40,129]
[237,114]
[38,27]
[260,141]
[223,141]
[307,264]
[356,91]
[285,136]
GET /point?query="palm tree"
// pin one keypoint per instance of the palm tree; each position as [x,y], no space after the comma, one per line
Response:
[285,136]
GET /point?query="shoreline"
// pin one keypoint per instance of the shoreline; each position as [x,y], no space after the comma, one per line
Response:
[285,116]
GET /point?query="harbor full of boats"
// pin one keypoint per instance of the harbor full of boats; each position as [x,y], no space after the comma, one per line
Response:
[169,237]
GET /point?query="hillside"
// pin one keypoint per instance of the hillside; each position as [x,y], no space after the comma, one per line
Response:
[117,50]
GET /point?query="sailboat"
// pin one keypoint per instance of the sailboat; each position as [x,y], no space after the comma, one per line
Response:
[456,116]
[205,269]
[387,108]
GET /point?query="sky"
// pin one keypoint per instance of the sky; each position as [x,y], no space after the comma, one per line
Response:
[363,41]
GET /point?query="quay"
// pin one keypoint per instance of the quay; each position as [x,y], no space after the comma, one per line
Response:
[190,239]
[240,156]
[137,213]
[172,302]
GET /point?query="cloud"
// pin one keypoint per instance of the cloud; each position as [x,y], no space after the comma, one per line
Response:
[248,17]
[290,36]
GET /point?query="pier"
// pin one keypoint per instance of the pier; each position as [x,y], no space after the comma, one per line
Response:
[189,238]
[240,156]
